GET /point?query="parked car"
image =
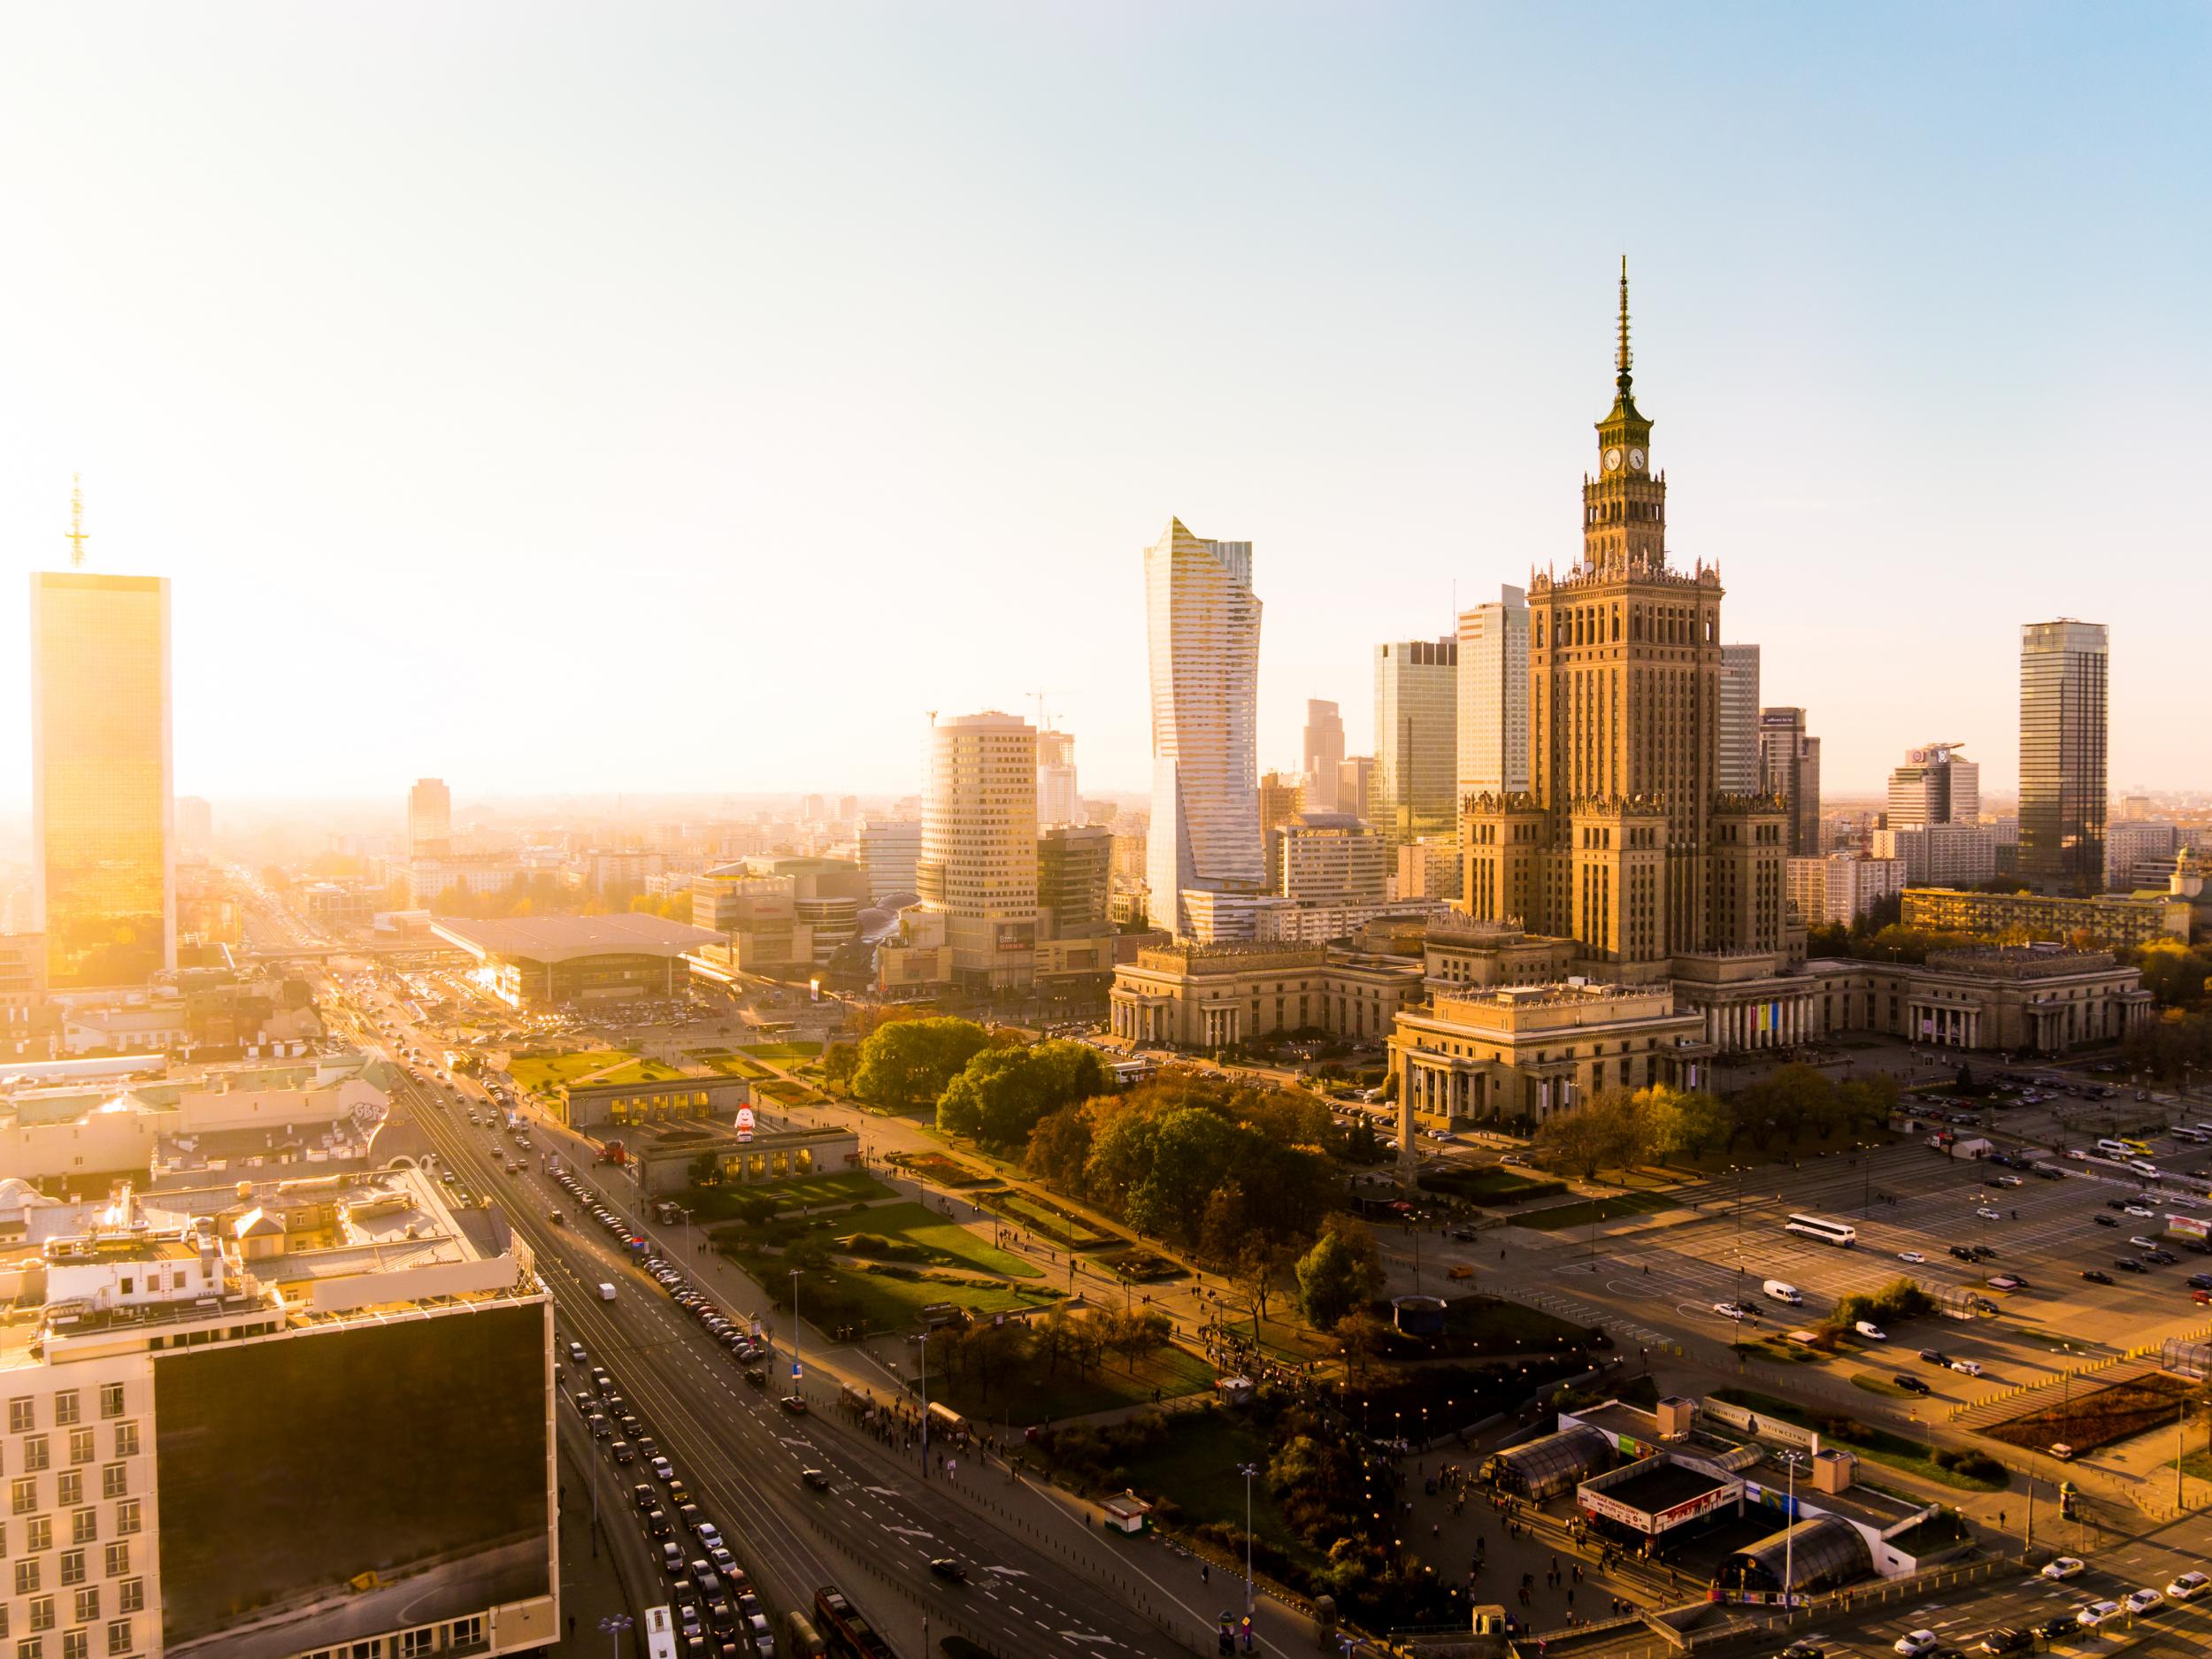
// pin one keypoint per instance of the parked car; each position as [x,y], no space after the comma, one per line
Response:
[1911,1384]
[2144,1601]
[2090,1615]
[1915,1643]
[2188,1586]
[2096,1278]
[2063,1567]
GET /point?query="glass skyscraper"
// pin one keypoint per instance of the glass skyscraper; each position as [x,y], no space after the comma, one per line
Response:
[1416,787]
[2063,668]
[1202,628]
[101,782]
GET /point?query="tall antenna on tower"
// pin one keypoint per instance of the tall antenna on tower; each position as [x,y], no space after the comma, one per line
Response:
[77,536]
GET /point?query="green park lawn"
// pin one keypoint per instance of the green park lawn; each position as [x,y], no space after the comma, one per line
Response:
[542,1073]
[1032,1214]
[887,1302]
[782,1050]
[947,1244]
[1554,1216]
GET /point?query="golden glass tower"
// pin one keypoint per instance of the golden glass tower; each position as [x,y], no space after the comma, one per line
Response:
[101,782]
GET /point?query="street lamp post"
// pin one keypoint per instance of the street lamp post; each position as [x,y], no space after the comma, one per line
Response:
[1248,1471]
[1790,1461]
[614,1624]
[795,1372]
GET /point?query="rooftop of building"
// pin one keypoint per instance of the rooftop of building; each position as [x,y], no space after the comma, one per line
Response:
[1658,1484]
[565,938]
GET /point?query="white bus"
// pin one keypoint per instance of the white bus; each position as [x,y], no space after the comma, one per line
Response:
[1827,1231]
[660,1634]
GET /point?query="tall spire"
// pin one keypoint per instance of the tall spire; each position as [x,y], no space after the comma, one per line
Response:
[1621,356]
[77,536]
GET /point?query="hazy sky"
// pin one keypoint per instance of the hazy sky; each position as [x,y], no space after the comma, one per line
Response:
[690,398]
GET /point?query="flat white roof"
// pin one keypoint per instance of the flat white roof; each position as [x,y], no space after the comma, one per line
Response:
[563,938]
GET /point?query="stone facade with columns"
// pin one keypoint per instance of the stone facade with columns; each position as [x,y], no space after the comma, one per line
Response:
[1509,1052]
[2040,998]
[1208,997]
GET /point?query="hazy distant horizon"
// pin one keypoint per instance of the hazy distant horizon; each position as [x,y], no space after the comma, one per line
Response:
[584,400]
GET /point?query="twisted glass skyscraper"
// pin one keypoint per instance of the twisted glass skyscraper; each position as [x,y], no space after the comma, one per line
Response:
[1202,625]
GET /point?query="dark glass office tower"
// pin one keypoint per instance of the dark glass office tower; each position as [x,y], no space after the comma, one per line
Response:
[2063,756]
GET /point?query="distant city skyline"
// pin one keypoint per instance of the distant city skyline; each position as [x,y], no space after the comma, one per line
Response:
[399,410]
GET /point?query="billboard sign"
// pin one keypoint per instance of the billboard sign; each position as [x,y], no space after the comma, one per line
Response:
[1614,1509]
[1704,1503]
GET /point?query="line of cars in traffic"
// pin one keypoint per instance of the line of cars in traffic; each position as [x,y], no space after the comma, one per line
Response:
[2090,1616]
[716,1614]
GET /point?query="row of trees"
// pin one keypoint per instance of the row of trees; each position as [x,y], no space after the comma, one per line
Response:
[990,1362]
[1620,1128]
[1195,1159]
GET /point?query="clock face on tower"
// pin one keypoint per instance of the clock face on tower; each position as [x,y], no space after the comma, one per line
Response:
[1612,460]
[1635,460]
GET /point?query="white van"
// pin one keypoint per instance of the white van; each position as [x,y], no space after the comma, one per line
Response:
[606,1293]
[2114,1148]
[1777,1291]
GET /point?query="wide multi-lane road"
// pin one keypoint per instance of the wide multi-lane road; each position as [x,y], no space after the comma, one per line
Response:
[873,1532]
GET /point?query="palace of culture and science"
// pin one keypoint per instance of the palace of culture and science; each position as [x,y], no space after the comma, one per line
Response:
[1625,920]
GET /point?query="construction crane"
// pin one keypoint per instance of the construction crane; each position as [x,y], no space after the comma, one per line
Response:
[1044,720]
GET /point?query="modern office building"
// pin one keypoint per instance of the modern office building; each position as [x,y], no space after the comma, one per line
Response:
[1739,758]
[1354,782]
[2109,918]
[1283,800]
[1057,801]
[1324,754]
[101,777]
[1789,768]
[1429,868]
[1075,879]
[1840,888]
[1940,855]
[1492,694]
[1935,785]
[2063,806]
[429,818]
[2133,843]
[24,1020]
[1329,856]
[1416,787]
[1203,631]
[193,1373]
[978,862]
[890,848]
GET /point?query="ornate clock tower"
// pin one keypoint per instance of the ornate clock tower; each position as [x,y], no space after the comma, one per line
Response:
[1624,506]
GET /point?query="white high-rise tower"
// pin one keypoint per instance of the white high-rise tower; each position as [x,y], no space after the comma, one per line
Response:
[1202,625]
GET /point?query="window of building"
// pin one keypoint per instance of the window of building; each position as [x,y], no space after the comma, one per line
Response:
[118,1635]
[66,1406]
[30,1647]
[80,1446]
[72,1566]
[130,1595]
[41,1613]
[111,1400]
[126,1438]
[23,1495]
[76,1644]
[38,1533]
[84,1527]
[89,1604]
[25,1577]
[115,1480]
[127,1517]
[35,1453]
[119,1559]
[21,1419]
[69,1486]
